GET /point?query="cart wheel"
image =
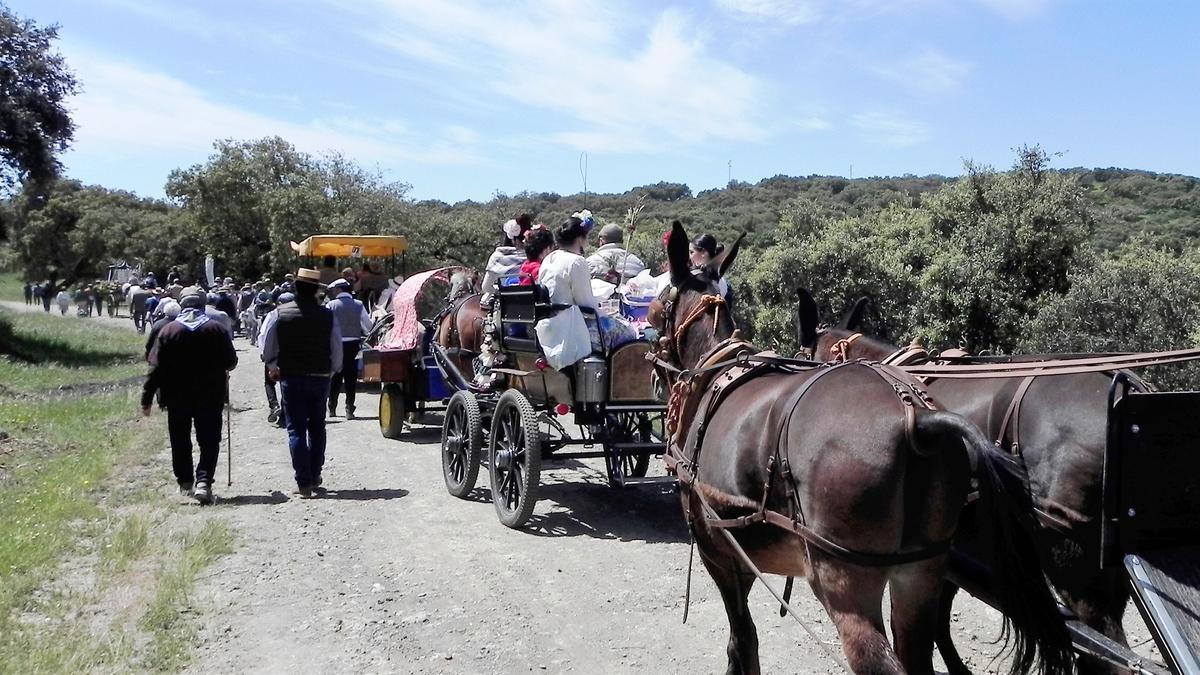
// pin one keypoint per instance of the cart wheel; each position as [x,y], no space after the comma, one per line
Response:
[626,428]
[462,443]
[391,411]
[515,458]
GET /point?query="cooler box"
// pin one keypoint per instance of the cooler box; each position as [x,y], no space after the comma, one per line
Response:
[435,384]
[635,309]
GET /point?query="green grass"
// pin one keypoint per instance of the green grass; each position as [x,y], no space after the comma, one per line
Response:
[10,287]
[171,633]
[84,527]
[39,352]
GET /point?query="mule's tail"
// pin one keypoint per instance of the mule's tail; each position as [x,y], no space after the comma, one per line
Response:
[1004,515]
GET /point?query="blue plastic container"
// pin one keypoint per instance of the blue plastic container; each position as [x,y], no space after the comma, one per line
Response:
[635,309]
[436,388]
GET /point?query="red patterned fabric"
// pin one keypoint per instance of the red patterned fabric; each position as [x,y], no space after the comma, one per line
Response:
[407,330]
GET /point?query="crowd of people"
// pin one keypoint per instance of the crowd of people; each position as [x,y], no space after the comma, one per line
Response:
[308,350]
[308,344]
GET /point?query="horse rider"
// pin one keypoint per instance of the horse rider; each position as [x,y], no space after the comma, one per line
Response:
[189,364]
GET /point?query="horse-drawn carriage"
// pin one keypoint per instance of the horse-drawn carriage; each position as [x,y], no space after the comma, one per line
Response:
[399,357]
[520,418]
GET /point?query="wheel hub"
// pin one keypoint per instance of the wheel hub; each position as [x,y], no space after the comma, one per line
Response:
[504,459]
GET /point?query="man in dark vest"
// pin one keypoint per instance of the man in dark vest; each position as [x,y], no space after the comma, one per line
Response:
[189,364]
[303,349]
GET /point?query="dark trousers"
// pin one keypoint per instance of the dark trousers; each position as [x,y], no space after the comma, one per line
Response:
[139,319]
[348,377]
[206,417]
[304,398]
[272,398]
[46,303]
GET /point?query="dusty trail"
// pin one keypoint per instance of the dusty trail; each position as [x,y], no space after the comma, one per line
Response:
[388,573]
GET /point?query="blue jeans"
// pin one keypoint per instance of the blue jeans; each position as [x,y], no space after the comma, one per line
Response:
[304,400]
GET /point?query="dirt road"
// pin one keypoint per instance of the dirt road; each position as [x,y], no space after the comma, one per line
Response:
[388,573]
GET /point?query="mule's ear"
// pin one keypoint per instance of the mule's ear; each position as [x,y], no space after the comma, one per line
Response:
[677,253]
[724,260]
[854,316]
[806,319]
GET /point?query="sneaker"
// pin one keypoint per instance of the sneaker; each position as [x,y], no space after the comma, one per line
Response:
[273,416]
[303,493]
[185,489]
[203,494]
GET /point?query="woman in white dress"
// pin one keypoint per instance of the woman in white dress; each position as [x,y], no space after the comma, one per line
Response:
[565,272]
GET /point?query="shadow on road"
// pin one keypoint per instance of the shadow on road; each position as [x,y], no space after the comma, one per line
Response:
[364,495]
[276,497]
[647,513]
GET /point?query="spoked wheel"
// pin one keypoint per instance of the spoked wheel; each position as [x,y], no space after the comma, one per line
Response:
[391,411]
[462,443]
[515,458]
[626,427]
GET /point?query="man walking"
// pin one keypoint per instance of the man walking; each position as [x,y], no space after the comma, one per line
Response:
[354,323]
[138,295]
[190,363]
[302,348]
[28,290]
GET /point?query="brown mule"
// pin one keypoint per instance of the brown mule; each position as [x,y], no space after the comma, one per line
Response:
[879,491]
[460,331]
[1063,433]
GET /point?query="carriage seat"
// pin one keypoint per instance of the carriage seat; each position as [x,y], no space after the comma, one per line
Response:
[522,306]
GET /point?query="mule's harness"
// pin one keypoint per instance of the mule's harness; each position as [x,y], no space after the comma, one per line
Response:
[732,363]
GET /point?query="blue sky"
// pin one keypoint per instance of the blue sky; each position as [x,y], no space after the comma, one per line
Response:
[461,99]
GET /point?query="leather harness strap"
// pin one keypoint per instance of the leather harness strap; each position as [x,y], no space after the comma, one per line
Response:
[686,469]
[1010,426]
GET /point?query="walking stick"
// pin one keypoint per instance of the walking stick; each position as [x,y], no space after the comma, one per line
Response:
[228,435]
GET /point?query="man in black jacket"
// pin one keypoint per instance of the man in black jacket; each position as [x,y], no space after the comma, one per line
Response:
[302,348]
[190,363]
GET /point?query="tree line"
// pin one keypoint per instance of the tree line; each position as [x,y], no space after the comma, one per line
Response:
[1025,259]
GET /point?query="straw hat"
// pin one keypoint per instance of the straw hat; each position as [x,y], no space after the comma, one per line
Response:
[310,276]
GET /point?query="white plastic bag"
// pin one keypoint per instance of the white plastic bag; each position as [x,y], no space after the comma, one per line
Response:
[564,338]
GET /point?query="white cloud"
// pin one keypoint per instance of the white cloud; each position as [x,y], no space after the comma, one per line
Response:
[930,71]
[188,19]
[789,12]
[891,130]
[622,81]
[125,108]
[1015,10]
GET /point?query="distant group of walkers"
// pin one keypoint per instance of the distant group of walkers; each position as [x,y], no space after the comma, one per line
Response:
[308,349]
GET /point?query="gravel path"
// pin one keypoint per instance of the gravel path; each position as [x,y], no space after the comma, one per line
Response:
[389,573]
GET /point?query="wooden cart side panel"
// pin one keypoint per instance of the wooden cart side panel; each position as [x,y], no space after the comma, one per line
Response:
[541,387]
[630,374]
[386,365]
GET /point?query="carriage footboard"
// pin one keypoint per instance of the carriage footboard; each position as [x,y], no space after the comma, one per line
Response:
[1166,589]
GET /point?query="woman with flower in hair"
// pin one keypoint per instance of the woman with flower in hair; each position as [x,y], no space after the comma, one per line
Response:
[565,272]
[538,244]
[507,258]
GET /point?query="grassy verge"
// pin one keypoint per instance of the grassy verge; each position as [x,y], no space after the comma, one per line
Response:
[95,564]
[10,287]
[40,351]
